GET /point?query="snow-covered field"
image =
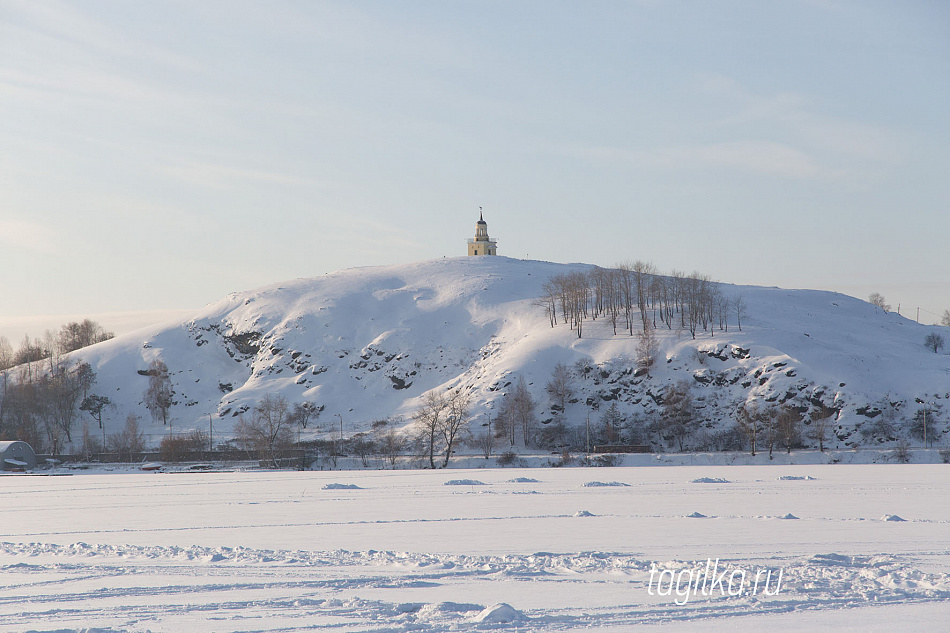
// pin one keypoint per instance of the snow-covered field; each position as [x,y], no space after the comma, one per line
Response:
[564,549]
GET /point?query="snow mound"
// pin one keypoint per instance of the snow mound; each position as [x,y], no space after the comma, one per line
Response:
[464,482]
[796,478]
[831,560]
[696,515]
[583,513]
[711,480]
[499,613]
[788,516]
[448,607]
[892,517]
[341,487]
[523,480]
[82,630]
[601,484]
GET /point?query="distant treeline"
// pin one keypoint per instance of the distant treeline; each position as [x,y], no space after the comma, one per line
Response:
[41,394]
[68,338]
[637,295]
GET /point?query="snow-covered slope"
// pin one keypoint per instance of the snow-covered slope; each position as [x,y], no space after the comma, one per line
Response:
[366,343]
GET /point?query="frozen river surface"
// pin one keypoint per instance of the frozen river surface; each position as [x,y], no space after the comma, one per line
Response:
[859,548]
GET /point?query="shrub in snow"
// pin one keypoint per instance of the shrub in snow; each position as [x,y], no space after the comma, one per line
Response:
[945,455]
[523,480]
[341,487]
[600,484]
[892,517]
[464,482]
[901,453]
[788,516]
[711,480]
[583,513]
[610,459]
[507,458]
[566,459]
[695,515]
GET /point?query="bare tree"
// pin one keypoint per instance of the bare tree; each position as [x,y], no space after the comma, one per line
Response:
[129,441]
[611,424]
[677,414]
[389,442]
[647,347]
[428,423]
[29,352]
[560,388]
[6,362]
[303,413]
[945,319]
[159,396]
[578,292]
[923,423]
[934,341]
[522,408]
[440,420]
[642,276]
[88,445]
[748,420]
[484,440]
[392,445]
[739,305]
[789,428]
[63,395]
[770,420]
[877,299]
[821,423]
[455,422]
[6,354]
[75,335]
[269,431]
[51,349]
[548,301]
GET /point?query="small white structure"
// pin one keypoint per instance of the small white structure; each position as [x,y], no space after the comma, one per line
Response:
[482,244]
[17,456]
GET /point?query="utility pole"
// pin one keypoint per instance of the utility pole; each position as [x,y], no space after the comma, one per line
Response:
[926,408]
[588,434]
[340,449]
[210,434]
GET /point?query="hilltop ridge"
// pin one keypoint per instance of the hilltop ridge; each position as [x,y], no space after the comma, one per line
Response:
[366,343]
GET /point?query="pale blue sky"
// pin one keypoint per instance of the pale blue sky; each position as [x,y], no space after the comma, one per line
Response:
[158,155]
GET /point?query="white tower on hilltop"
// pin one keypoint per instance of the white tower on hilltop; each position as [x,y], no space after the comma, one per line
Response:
[482,244]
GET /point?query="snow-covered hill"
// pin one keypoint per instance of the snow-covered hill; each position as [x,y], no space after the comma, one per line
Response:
[367,343]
